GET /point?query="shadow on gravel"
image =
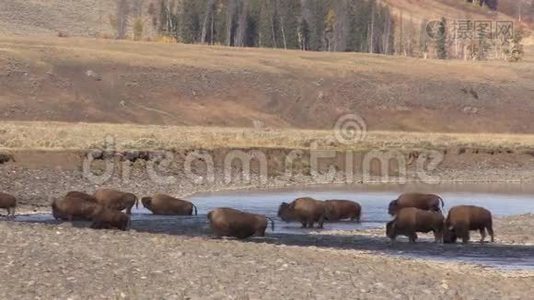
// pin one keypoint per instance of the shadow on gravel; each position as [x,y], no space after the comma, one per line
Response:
[508,257]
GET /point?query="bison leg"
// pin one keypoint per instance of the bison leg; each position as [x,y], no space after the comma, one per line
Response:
[321,221]
[482,235]
[465,237]
[412,237]
[438,236]
[304,224]
[490,232]
[310,223]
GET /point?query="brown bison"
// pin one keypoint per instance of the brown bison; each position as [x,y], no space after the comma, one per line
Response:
[116,200]
[106,218]
[162,204]
[235,223]
[422,201]
[9,203]
[342,209]
[75,206]
[464,218]
[306,210]
[411,220]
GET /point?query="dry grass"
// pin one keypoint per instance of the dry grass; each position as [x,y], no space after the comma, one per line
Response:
[309,64]
[81,136]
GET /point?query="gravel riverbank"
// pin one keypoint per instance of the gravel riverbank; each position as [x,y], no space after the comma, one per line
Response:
[51,261]
[46,261]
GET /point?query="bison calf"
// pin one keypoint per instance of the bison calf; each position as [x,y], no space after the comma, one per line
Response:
[162,204]
[342,209]
[306,210]
[235,223]
[8,203]
[411,220]
[464,218]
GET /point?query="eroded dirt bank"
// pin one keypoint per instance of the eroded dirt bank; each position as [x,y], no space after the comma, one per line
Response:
[36,177]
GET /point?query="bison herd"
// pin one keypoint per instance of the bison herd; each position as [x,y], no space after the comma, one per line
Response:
[415,213]
[412,213]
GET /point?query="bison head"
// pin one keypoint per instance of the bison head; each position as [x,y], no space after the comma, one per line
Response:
[393,207]
[147,202]
[390,229]
[56,213]
[449,236]
[285,212]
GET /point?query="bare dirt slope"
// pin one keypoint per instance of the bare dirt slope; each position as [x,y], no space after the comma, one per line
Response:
[37,17]
[130,82]
[436,9]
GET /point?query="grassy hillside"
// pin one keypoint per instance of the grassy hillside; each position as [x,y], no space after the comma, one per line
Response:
[44,78]
[91,80]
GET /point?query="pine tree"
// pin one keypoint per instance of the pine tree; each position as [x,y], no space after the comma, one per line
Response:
[359,12]
[123,9]
[329,28]
[319,25]
[268,25]
[191,28]
[318,11]
[441,41]
[289,14]
[304,35]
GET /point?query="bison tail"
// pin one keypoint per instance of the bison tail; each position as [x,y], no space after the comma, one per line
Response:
[196,210]
[272,223]
[441,201]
